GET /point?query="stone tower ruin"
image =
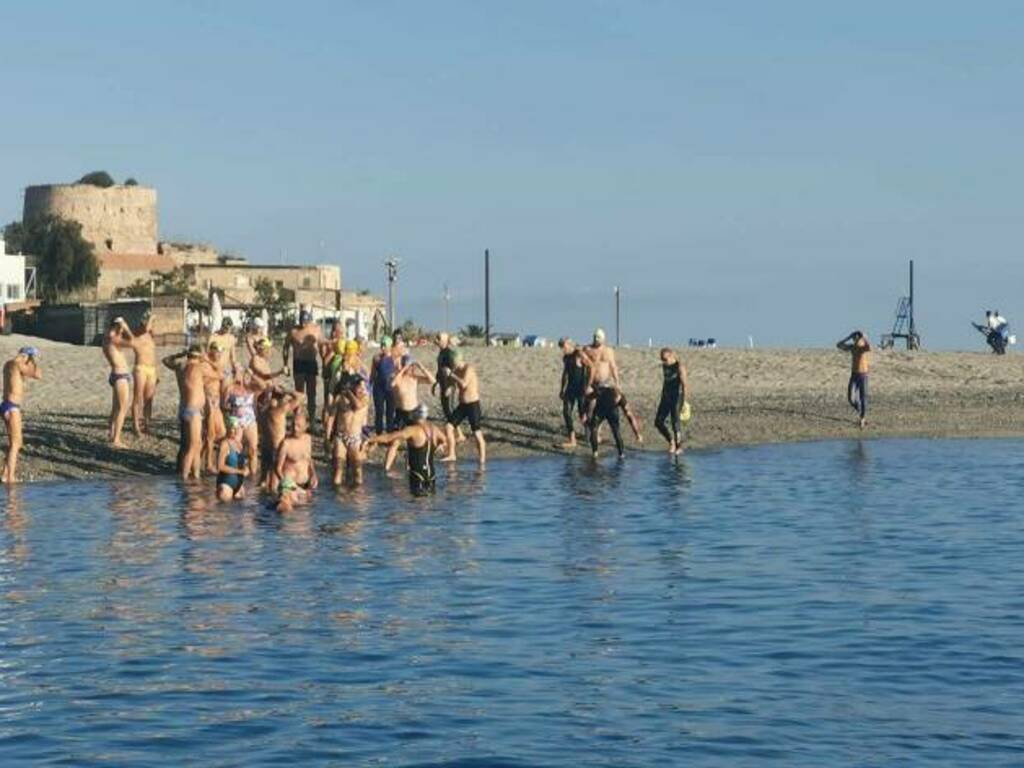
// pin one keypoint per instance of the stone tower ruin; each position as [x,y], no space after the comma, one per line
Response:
[118,219]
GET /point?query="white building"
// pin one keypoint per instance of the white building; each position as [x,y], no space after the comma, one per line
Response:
[12,276]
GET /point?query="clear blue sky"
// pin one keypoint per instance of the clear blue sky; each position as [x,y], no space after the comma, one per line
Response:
[738,168]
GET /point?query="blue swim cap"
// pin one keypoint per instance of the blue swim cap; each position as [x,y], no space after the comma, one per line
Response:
[29,352]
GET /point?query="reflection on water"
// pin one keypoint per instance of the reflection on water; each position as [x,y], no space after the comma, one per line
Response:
[838,603]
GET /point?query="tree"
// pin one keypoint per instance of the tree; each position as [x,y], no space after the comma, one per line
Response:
[97,179]
[131,182]
[173,283]
[14,236]
[277,301]
[473,331]
[65,260]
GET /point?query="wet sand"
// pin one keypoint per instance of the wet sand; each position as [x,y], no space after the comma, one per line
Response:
[739,397]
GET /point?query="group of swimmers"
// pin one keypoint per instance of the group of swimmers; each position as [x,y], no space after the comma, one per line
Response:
[239,421]
[592,389]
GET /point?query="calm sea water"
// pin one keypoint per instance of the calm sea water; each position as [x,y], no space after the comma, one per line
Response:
[818,604]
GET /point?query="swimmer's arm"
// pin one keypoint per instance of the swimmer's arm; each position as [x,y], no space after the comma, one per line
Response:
[34,372]
[171,361]
[127,331]
[314,480]
[279,463]
[389,437]
[684,385]
[564,383]
[614,366]
[844,344]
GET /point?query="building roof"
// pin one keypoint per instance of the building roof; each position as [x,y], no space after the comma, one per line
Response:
[139,262]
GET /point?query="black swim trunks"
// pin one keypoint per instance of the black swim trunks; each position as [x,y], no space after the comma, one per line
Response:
[467,411]
[402,418]
[305,368]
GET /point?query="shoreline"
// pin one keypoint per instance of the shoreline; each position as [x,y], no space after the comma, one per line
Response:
[740,398]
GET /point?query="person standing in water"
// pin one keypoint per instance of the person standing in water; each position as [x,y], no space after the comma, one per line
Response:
[673,395]
[573,388]
[188,371]
[302,345]
[380,385]
[295,469]
[463,375]
[24,365]
[606,408]
[231,465]
[857,390]
[119,337]
[351,410]
[443,387]
[422,442]
[144,373]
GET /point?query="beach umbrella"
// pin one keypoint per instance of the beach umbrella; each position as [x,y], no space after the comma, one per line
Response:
[216,314]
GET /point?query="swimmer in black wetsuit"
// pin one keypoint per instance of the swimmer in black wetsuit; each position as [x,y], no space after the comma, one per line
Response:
[673,395]
[422,442]
[573,389]
[606,408]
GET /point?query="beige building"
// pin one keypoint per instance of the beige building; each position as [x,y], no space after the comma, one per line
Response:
[318,287]
[117,219]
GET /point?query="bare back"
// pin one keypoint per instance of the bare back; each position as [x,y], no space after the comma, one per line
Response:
[305,341]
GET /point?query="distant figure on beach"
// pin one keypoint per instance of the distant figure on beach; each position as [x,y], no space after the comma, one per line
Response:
[232,468]
[465,378]
[24,365]
[188,372]
[857,390]
[351,413]
[572,391]
[225,339]
[295,468]
[673,395]
[301,346]
[443,387]
[422,441]
[213,416]
[119,337]
[144,372]
[405,391]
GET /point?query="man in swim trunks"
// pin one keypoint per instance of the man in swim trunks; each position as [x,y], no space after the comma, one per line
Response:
[225,339]
[144,373]
[188,372]
[119,337]
[464,377]
[24,365]
[859,347]
[301,345]
[351,411]
[256,331]
[573,388]
[213,416]
[422,442]
[295,468]
[274,413]
[673,395]
[405,390]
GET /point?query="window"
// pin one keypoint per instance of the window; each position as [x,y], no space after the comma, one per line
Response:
[13,291]
[305,282]
[110,244]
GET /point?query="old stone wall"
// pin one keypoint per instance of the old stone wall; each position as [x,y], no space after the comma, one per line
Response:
[117,219]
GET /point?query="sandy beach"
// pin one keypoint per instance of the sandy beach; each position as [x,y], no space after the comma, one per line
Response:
[739,397]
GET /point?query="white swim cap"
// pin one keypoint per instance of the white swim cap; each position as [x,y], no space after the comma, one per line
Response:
[599,334]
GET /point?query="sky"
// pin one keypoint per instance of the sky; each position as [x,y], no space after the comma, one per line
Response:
[739,169]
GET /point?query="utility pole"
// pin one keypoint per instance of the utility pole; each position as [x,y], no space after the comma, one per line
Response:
[487,297]
[446,297]
[618,317]
[391,265]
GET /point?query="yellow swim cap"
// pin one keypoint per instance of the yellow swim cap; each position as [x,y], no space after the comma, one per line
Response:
[351,347]
[339,346]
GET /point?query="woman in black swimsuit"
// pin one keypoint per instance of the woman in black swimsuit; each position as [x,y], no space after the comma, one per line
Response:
[422,442]
[673,395]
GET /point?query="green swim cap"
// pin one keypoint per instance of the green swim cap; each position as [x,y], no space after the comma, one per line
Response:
[386,342]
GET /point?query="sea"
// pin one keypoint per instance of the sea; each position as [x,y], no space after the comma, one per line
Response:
[853,603]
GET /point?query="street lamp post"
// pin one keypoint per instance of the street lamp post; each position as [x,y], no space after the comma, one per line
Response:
[391,265]
[618,317]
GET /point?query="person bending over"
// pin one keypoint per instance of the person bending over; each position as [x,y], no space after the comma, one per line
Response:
[606,408]
[422,442]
